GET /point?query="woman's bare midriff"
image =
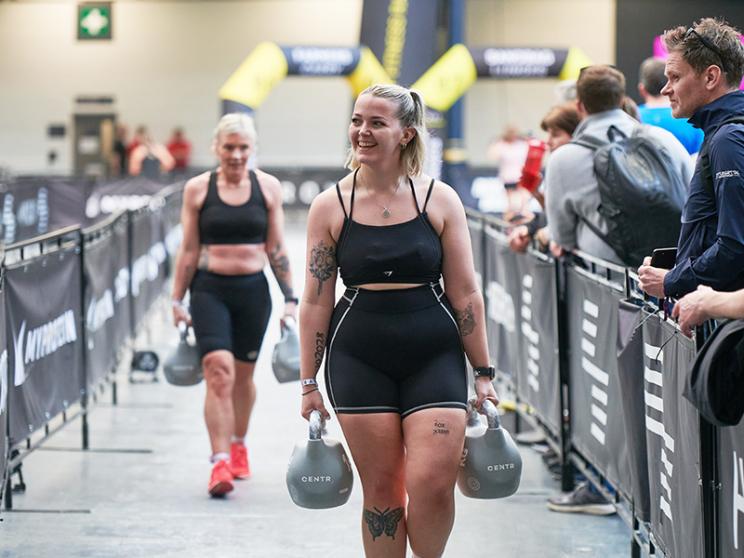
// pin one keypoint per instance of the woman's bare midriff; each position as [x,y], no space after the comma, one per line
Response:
[388,286]
[232,259]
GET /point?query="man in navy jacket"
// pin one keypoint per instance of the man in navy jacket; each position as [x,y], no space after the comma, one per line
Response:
[704,70]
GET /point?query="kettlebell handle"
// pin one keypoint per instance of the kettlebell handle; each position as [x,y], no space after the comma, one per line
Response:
[183,329]
[488,409]
[316,425]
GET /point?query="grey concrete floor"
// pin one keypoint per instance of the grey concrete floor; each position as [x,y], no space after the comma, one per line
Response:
[153,502]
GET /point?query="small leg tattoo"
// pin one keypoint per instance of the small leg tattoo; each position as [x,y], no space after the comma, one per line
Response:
[322,263]
[465,320]
[440,428]
[385,521]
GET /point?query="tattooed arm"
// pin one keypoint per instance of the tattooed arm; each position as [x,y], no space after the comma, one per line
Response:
[188,256]
[461,285]
[275,249]
[319,294]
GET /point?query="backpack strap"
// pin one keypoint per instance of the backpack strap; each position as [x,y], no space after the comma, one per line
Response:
[704,155]
[590,142]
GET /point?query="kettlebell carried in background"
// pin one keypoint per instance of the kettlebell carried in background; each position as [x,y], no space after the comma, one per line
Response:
[491,466]
[183,365]
[319,475]
[285,360]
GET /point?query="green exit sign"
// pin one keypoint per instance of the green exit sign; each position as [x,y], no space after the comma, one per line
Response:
[94,20]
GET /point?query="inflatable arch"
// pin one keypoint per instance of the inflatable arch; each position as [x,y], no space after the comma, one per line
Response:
[441,85]
[269,63]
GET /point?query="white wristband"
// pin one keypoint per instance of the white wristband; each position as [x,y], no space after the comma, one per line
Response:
[308,382]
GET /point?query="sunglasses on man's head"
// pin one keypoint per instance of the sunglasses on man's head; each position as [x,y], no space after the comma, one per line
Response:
[706,43]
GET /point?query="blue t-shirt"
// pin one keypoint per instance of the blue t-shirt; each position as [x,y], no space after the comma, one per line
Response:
[686,133]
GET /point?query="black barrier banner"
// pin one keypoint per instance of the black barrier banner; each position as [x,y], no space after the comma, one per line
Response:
[37,205]
[596,410]
[402,34]
[475,227]
[4,383]
[300,186]
[132,192]
[42,298]
[148,261]
[672,441]
[172,229]
[503,291]
[630,374]
[731,495]
[107,316]
[538,382]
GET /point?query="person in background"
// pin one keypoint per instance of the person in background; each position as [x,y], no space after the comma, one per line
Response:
[705,304]
[150,159]
[560,123]
[509,153]
[139,134]
[704,70]
[233,223]
[656,109]
[119,161]
[180,149]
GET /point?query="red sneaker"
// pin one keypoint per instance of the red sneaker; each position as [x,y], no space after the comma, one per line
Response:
[220,483]
[239,461]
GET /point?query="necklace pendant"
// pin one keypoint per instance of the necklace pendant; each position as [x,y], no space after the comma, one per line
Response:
[385,213]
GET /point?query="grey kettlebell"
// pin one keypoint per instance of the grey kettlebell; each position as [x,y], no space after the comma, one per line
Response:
[285,360]
[491,466]
[319,475]
[183,365]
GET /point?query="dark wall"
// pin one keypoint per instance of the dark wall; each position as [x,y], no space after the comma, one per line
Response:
[639,21]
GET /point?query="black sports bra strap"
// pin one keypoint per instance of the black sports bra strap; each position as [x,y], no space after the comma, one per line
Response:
[353,191]
[415,199]
[428,194]
[212,185]
[341,200]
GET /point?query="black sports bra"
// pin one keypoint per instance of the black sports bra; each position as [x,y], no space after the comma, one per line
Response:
[222,223]
[408,252]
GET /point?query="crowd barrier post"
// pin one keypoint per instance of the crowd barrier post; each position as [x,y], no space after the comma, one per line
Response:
[567,468]
[84,430]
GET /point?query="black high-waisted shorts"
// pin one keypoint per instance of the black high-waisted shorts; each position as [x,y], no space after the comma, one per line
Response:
[230,312]
[395,351]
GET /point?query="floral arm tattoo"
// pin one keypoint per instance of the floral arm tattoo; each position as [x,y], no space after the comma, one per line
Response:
[322,263]
[465,320]
[280,266]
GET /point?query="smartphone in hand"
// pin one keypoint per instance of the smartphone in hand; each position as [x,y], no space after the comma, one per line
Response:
[664,258]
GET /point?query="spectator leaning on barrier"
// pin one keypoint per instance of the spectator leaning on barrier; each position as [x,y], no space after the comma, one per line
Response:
[704,69]
[559,123]
[706,304]
[571,187]
[656,110]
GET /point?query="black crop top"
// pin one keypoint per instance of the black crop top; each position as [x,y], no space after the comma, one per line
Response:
[408,252]
[222,223]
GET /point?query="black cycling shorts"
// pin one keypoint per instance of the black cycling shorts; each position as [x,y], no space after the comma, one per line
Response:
[395,351]
[230,312]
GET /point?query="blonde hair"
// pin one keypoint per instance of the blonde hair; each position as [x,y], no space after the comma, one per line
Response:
[410,114]
[235,123]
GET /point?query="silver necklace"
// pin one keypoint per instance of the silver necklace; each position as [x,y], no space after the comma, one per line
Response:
[386,213]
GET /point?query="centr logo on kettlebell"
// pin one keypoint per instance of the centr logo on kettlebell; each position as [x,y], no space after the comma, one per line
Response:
[317,478]
[501,467]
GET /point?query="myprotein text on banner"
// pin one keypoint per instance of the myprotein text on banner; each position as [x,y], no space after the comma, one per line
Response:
[44,339]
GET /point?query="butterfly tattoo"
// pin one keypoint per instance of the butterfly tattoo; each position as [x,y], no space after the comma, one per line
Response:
[383,521]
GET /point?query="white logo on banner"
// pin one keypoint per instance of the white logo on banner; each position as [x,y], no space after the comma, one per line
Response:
[500,306]
[533,339]
[321,60]
[147,266]
[655,406]
[601,379]
[121,284]
[738,498]
[173,239]
[41,342]
[100,311]
[111,203]
[3,381]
